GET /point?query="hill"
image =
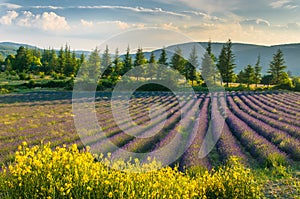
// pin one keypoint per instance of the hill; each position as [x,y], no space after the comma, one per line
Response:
[244,54]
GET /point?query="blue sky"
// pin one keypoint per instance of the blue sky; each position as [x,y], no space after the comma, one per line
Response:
[86,24]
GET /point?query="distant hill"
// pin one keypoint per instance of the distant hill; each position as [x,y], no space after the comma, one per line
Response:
[7,48]
[244,53]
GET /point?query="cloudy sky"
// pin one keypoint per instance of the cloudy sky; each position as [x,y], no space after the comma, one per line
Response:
[86,24]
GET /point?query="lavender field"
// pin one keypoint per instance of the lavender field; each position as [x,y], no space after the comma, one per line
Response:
[260,128]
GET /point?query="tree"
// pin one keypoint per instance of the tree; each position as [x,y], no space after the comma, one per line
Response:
[226,63]
[70,64]
[152,66]
[249,75]
[191,65]
[53,63]
[277,68]
[94,64]
[163,57]
[106,63]
[61,61]
[45,61]
[127,62]
[162,63]
[207,68]
[178,62]
[20,63]
[1,59]
[209,51]
[118,64]
[257,72]
[139,63]
[9,62]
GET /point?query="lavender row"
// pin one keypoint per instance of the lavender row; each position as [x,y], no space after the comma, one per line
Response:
[141,145]
[284,141]
[276,106]
[227,144]
[258,146]
[191,157]
[122,138]
[179,138]
[115,133]
[289,128]
[286,98]
[269,110]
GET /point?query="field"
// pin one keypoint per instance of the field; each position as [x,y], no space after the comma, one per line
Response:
[262,129]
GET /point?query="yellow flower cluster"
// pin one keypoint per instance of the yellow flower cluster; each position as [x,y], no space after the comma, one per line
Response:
[65,172]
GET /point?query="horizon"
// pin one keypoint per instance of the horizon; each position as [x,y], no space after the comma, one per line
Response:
[89,50]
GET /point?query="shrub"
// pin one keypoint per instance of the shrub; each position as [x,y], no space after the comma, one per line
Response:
[40,172]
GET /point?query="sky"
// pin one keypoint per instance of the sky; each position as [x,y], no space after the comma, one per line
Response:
[147,23]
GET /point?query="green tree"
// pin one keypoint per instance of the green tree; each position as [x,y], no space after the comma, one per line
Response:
[127,62]
[94,64]
[277,67]
[9,62]
[106,63]
[191,66]
[70,63]
[209,51]
[163,57]
[1,59]
[152,66]
[178,62]
[162,63]
[46,56]
[226,63]
[118,65]
[139,62]
[20,63]
[249,75]
[257,71]
[61,61]
[208,69]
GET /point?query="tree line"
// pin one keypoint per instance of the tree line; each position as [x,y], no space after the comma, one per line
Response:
[211,70]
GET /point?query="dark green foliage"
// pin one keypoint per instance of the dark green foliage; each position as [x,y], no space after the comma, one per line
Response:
[94,64]
[178,62]
[277,67]
[127,62]
[226,63]
[257,71]
[151,67]
[139,63]
[162,64]
[191,65]
[208,66]
[106,63]
[247,76]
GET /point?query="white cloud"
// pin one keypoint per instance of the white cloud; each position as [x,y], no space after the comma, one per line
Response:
[203,15]
[263,22]
[283,4]
[48,7]
[134,9]
[86,23]
[291,7]
[9,17]
[51,21]
[211,6]
[10,6]
[256,22]
[48,21]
